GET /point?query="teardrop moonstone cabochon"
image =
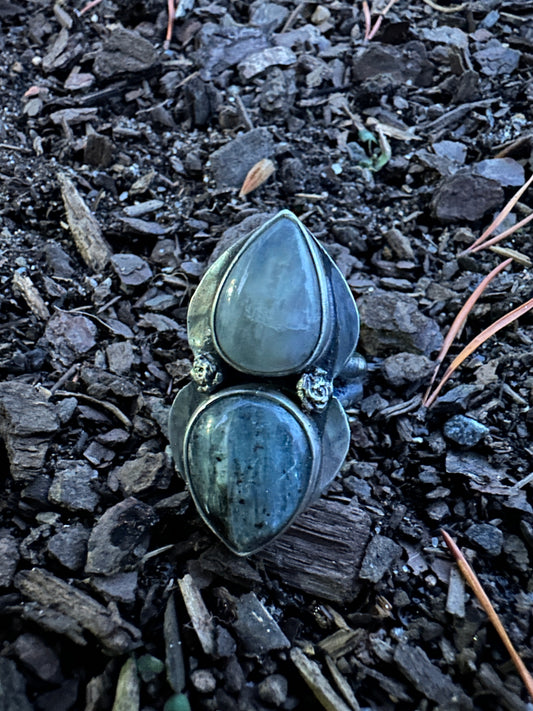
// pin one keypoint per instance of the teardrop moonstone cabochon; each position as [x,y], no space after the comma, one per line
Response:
[252,461]
[268,313]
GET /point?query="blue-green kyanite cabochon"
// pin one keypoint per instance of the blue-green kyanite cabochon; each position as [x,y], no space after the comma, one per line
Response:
[268,315]
[252,462]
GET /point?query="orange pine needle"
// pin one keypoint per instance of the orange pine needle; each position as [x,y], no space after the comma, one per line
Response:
[368,19]
[472,579]
[377,25]
[257,175]
[170,23]
[503,321]
[500,217]
[461,317]
[90,6]
[504,234]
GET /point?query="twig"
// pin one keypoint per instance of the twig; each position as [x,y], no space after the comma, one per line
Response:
[460,319]
[292,17]
[113,409]
[514,254]
[478,341]
[63,379]
[11,147]
[472,579]
[440,8]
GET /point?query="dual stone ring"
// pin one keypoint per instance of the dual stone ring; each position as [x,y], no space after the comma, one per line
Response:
[261,431]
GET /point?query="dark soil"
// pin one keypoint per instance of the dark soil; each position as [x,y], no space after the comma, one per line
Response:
[103,558]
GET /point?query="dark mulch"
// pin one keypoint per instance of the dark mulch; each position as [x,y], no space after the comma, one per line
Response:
[103,559]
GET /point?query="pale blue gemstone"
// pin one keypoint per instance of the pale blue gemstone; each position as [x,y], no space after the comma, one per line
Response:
[268,316]
[249,463]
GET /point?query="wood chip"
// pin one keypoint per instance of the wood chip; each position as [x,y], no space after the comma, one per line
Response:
[455,602]
[200,617]
[317,682]
[340,642]
[342,683]
[127,697]
[322,551]
[84,227]
[23,284]
[61,607]
[174,655]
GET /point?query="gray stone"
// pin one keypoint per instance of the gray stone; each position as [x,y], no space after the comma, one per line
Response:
[406,368]
[63,698]
[259,62]
[131,269]
[12,688]
[146,471]
[120,357]
[273,690]
[124,51]
[120,538]
[496,59]
[231,163]
[9,558]
[70,336]
[301,37]
[25,410]
[473,466]
[280,316]
[392,322]
[485,537]
[268,15]
[66,408]
[400,244]
[38,657]
[71,486]
[466,197]
[428,679]
[234,678]
[223,47]
[401,62]
[257,630]
[57,260]
[247,481]
[380,556]
[69,546]
[516,552]
[27,420]
[452,150]
[203,681]
[465,430]
[444,35]
[101,384]
[505,171]
[120,587]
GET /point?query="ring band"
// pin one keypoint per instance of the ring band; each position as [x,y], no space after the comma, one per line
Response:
[260,432]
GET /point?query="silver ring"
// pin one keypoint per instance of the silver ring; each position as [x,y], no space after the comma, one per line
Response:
[261,430]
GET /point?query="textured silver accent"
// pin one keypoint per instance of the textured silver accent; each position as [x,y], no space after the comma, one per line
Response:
[314,390]
[205,373]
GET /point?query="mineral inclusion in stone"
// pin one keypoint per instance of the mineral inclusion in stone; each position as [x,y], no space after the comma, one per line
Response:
[252,462]
[268,315]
